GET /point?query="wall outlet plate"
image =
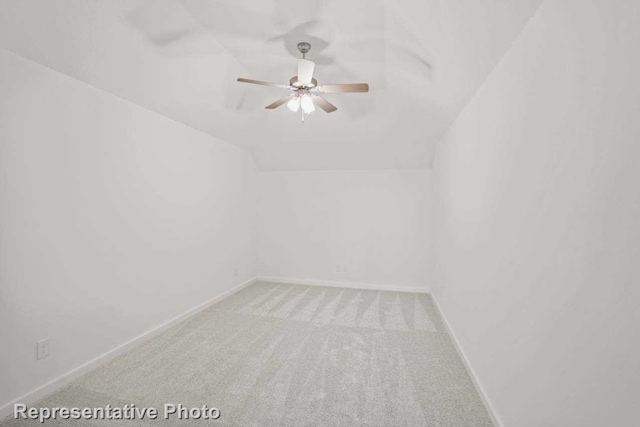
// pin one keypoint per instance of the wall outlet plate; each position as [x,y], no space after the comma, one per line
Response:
[43,349]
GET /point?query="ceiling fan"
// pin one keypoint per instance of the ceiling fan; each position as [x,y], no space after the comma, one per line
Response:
[305,92]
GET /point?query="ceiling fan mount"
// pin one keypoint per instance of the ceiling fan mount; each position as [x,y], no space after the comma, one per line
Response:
[304,48]
[306,93]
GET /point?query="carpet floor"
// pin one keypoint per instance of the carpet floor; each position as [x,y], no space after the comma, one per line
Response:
[291,355]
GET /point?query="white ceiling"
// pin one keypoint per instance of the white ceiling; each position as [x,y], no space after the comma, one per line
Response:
[423,60]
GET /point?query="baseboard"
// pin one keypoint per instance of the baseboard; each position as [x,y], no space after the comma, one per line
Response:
[483,395]
[352,285]
[64,379]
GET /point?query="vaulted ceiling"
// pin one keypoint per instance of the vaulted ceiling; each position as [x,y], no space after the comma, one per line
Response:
[423,60]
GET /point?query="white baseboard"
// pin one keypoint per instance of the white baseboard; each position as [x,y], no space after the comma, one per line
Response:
[64,379]
[353,285]
[483,395]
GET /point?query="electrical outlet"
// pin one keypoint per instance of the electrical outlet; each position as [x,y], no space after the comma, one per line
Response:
[341,268]
[344,268]
[236,271]
[43,349]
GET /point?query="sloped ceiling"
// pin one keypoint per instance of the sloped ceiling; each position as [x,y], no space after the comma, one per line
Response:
[423,60]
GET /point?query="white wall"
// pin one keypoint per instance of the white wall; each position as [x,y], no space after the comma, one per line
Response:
[370,221]
[113,220]
[537,201]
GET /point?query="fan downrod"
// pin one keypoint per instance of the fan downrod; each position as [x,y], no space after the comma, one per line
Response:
[304,47]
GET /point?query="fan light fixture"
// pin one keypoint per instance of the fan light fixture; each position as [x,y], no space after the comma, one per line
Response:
[303,101]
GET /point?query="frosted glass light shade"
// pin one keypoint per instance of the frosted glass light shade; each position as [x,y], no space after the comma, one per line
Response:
[307,104]
[294,104]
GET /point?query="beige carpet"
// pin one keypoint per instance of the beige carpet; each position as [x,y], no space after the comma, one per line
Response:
[289,355]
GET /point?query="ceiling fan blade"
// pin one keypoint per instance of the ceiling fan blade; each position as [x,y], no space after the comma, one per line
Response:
[279,102]
[323,103]
[305,70]
[353,87]
[258,82]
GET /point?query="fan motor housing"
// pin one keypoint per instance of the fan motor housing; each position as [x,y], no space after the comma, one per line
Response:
[295,83]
